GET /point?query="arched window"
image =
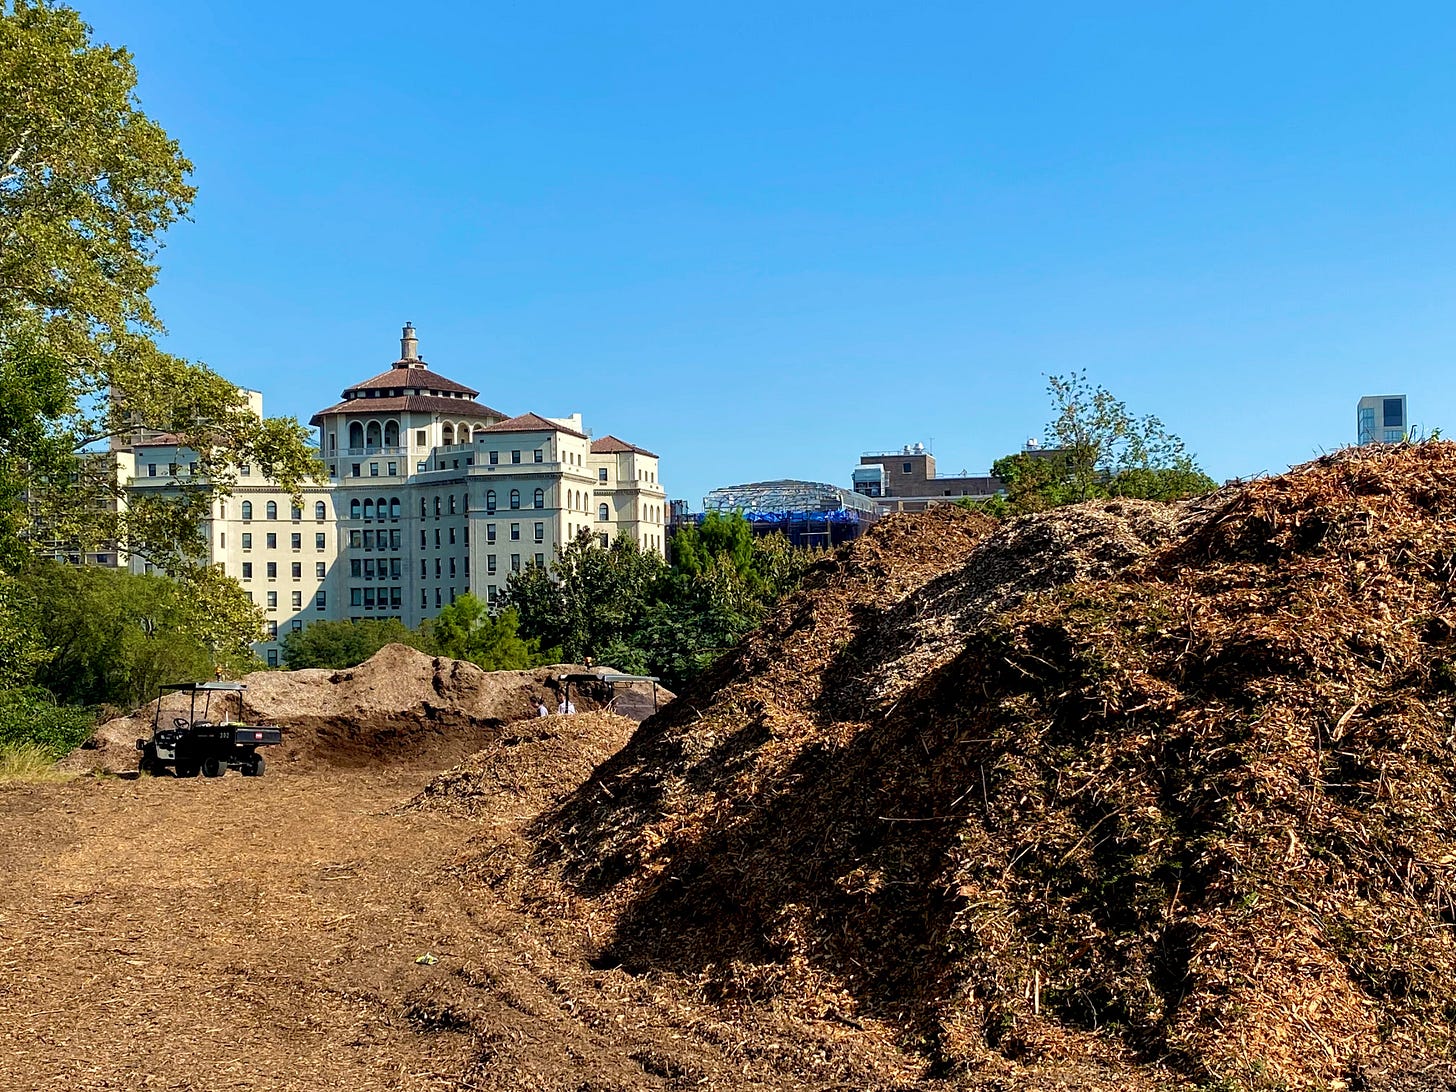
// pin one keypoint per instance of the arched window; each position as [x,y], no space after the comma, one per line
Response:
[356,436]
[354,508]
[437,507]
[515,498]
[381,507]
[462,433]
[368,508]
[540,499]
[423,510]
[272,509]
[371,436]
[319,511]
[464,502]
[393,508]
[295,512]
[452,504]
[449,435]
[247,509]
[490,500]
[602,512]
[391,434]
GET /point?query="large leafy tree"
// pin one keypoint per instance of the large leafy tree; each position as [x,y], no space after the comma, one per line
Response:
[346,643]
[466,630]
[88,184]
[1095,447]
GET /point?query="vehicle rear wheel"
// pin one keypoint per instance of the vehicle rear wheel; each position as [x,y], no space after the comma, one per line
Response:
[254,767]
[148,763]
[211,767]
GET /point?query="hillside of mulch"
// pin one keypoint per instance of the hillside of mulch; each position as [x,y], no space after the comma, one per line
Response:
[400,705]
[1165,788]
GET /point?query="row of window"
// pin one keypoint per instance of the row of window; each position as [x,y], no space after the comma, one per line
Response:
[320,511]
[376,540]
[386,568]
[320,602]
[295,570]
[295,541]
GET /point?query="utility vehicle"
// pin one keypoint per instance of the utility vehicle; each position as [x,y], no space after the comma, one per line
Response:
[194,744]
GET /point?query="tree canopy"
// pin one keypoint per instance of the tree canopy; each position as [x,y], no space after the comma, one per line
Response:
[1095,447]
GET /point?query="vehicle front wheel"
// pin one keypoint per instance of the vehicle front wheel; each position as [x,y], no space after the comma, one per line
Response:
[254,767]
[211,767]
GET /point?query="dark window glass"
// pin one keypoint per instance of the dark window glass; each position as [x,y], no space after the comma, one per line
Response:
[1394,418]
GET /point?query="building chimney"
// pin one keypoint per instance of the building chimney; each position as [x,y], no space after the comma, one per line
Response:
[409,345]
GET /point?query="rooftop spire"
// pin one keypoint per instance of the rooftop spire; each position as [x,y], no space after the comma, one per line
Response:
[409,345]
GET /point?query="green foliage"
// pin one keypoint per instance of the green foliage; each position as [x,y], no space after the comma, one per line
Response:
[466,630]
[626,607]
[1095,448]
[345,643]
[88,183]
[30,718]
[111,637]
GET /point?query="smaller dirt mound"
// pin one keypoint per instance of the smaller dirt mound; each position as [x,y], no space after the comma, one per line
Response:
[400,706]
[546,760]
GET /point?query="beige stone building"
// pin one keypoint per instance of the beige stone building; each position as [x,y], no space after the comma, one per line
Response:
[431,493]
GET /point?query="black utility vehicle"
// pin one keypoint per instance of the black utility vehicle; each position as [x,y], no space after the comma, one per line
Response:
[196,744]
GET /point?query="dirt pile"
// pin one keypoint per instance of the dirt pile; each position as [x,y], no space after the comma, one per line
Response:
[1115,785]
[539,763]
[401,705]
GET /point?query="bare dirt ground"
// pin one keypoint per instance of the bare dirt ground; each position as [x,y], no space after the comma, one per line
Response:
[263,934]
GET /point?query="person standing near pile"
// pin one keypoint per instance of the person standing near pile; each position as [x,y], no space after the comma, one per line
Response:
[541,710]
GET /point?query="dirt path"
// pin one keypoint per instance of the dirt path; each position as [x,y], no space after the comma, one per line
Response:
[262,934]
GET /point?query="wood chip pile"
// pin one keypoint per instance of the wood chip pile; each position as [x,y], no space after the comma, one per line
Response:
[1168,787]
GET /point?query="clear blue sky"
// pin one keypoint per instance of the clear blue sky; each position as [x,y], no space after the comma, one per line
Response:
[759,238]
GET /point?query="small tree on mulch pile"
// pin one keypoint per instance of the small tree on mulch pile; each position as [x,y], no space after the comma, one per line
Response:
[1166,784]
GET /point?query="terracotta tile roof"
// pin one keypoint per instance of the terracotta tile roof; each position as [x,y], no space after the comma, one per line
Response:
[610,445]
[412,403]
[402,376]
[532,422]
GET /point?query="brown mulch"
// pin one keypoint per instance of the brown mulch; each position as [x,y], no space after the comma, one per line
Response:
[1165,789]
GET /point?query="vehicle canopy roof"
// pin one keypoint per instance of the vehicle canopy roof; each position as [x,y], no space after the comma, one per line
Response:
[187,687]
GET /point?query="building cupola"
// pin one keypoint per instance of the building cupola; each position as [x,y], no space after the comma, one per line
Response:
[409,347]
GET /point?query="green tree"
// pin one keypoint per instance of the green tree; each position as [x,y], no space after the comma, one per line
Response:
[346,643]
[88,184]
[1095,448]
[466,630]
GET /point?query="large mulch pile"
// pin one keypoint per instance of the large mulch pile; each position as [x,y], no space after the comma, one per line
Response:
[1166,789]
[400,705]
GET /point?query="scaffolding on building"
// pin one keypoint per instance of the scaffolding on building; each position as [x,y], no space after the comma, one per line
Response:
[812,515]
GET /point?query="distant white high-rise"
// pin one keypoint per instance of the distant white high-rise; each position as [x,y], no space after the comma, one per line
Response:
[1381,419]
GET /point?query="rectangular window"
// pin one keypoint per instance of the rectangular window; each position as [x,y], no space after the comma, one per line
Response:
[356,568]
[1393,413]
[245,470]
[356,597]
[394,597]
[247,570]
[1393,436]
[374,470]
[540,532]
[420,467]
[437,597]
[437,568]
[540,561]
[394,566]
[221,544]
[515,563]
[515,456]
[490,593]
[420,438]
[601,473]
[354,470]
[540,455]
[490,532]
[319,570]
[272,570]
[490,564]
[295,542]
[452,566]
[495,458]
[272,600]
[247,540]
[273,634]
[273,656]
[295,625]
[515,532]
[424,568]
[368,598]
[296,600]
[368,540]
[424,541]
[393,469]
[452,536]
[437,538]
[296,570]
[151,470]
[424,598]
[369,568]
[396,539]
[320,601]
[318,541]
[272,540]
